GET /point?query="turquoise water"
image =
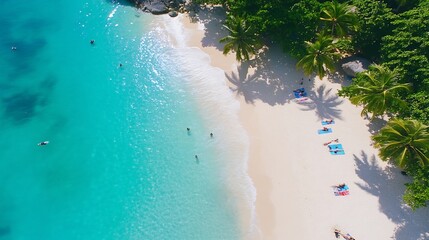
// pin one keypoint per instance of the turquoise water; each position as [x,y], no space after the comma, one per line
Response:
[120,163]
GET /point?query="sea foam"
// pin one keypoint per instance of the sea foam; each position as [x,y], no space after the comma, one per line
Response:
[219,109]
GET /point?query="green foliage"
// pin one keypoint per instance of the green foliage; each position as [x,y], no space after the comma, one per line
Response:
[417,192]
[407,48]
[242,39]
[418,107]
[340,18]
[375,21]
[300,23]
[404,142]
[377,90]
[320,57]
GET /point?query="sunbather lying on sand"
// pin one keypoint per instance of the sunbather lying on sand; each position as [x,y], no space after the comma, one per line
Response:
[327,143]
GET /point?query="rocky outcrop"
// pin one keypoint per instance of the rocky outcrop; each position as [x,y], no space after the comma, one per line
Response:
[354,65]
[162,6]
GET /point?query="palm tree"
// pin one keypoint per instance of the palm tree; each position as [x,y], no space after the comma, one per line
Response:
[377,91]
[320,57]
[405,142]
[341,17]
[242,39]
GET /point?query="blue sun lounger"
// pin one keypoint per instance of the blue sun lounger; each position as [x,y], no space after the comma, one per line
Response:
[335,146]
[327,123]
[321,131]
[337,152]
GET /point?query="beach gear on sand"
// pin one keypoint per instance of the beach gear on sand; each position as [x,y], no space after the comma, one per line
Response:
[327,122]
[335,146]
[341,191]
[300,93]
[337,152]
[321,131]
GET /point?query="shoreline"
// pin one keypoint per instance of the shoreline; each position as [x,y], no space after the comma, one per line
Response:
[291,169]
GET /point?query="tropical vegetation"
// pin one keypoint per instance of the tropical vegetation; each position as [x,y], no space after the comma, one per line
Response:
[242,39]
[377,90]
[394,34]
[320,58]
[340,17]
[405,142]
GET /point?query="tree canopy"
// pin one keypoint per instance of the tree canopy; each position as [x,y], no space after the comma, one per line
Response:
[392,33]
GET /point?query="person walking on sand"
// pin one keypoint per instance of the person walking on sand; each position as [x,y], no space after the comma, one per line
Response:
[211,135]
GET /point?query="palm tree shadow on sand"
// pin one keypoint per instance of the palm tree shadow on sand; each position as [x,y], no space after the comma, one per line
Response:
[324,103]
[252,86]
[272,79]
[213,19]
[388,186]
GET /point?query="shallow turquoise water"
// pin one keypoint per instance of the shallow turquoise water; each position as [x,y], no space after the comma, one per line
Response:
[120,163]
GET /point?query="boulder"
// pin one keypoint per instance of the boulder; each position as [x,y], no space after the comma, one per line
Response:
[156,6]
[172,14]
[354,65]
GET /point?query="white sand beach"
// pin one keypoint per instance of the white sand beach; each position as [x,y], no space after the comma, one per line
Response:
[292,170]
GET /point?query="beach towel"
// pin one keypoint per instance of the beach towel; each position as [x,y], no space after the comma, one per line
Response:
[337,152]
[321,131]
[300,93]
[335,146]
[301,100]
[342,193]
[327,123]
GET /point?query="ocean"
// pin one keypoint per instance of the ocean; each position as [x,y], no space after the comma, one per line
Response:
[120,163]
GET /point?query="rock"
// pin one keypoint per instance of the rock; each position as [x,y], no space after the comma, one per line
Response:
[354,65]
[172,14]
[160,6]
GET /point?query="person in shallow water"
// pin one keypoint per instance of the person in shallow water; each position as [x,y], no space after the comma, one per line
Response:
[44,143]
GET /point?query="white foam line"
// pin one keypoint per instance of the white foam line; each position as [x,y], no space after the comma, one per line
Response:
[220,108]
[112,13]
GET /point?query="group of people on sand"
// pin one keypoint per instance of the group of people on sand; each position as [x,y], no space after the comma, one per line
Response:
[340,187]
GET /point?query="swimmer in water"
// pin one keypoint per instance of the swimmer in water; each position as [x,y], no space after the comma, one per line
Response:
[43,143]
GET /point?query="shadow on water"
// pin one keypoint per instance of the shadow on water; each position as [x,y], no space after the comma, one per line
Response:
[4,231]
[324,102]
[20,107]
[388,186]
[22,61]
[36,25]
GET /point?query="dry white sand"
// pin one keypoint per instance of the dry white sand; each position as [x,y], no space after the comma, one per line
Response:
[292,170]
